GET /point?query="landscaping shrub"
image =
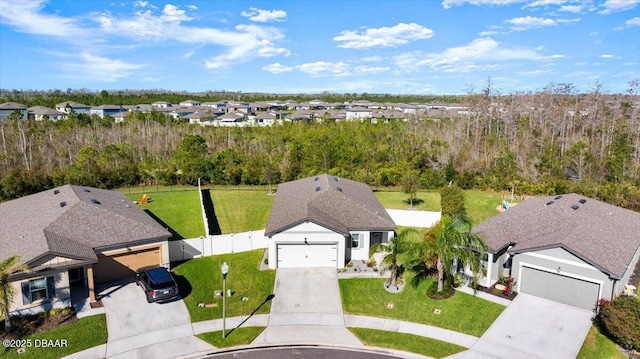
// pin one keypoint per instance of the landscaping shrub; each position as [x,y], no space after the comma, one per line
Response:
[621,320]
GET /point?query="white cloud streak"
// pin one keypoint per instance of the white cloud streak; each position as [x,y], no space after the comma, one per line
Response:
[260,15]
[530,22]
[611,6]
[399,34]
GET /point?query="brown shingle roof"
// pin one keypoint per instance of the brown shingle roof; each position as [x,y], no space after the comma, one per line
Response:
[38,224]
[603,235]
[336,203]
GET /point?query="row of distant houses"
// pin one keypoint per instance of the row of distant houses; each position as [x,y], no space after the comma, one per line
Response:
[238,113]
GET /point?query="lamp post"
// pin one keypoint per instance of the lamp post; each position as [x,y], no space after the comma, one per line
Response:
[224,268]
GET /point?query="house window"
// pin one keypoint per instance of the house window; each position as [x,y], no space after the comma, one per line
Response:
[38,289]
[355,240]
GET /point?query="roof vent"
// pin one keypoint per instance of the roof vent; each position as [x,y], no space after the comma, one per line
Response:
[56,191]
[62,204]
[583,201]
[549,203]
[317,178]
[86,190]
[575,206]
[335,179]
[339,188]
[93,200]
[318,188]
[558,197]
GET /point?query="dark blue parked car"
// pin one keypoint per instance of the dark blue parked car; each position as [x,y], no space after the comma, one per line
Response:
[157,283]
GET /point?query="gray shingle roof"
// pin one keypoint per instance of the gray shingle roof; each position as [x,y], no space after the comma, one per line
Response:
[336,203]
[603,235]
[38,224]
[12,106]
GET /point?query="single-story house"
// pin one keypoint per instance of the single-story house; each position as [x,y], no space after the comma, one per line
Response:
[76,107]
[568,248]
[325,221]
[7,108]
[74,238]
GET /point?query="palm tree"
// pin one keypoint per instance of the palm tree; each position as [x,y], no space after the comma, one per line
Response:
[447,241]
[7,292]
[394,253]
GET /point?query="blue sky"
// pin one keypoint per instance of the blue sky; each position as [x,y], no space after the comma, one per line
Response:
[397,47]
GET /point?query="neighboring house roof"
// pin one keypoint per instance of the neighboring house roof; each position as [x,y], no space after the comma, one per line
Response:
[107,107]
[73,104]
[601,234]
[12,106]
[332,202]
[70,221]
[42,111]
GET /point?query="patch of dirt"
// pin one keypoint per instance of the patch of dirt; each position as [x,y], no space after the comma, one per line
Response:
[32,324]
[97,304]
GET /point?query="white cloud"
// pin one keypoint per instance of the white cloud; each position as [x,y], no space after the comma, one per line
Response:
[260,15]
[487,33]
[384,36]
[611,6]
[540,3]
[322,68]
[192,7]
[374,58]
[447,4]
[370,69]
[576,9]
[25,17]
[607,56]
[101,69]
[558,56]
[269,51]
[465,58]
[633,22]
[529,22]
[567,21]
[277,68]
[172,13]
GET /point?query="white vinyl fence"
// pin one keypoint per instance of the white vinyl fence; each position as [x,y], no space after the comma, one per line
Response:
[212,245]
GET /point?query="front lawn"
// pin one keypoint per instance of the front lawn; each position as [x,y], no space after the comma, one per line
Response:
[86,333]
[406,342]
[199,278]
[462,312]
[597,346]
[180,211]
[239,336]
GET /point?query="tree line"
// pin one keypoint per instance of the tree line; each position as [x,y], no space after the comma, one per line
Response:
[548,142]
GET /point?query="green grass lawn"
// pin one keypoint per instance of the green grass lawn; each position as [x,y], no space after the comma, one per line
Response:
[241,211]
[85,333]
[199,278]
[597,346]
[426,201]
[180,211]
[239,336]
[407,342]
[462,312]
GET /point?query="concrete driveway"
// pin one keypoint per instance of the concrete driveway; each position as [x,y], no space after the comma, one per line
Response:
[306,309]
[533,327]
[135,325]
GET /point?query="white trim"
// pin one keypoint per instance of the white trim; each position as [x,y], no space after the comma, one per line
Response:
[489,266]
[555,271]
[560,260]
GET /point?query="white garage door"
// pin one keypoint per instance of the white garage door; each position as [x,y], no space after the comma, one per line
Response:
[576,292]
[307,255]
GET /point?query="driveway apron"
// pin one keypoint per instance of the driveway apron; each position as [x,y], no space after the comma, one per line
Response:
[306,309]
[533,327]
[134,324]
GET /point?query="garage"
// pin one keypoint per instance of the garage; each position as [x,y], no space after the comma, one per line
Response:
[307,255]
[118,265]
[560,288]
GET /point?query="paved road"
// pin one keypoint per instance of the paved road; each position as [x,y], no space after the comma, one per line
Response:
[302,352]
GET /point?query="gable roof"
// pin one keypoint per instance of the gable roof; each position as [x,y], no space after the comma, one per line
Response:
[336,203]
[72,104]
[12,106]
[601,234]
[72,221]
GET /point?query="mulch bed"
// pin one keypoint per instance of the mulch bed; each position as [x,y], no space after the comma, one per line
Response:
[97,304]
[32,324]
[498,293]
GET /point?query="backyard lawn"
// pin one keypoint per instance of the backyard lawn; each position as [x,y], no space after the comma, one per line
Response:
[241,211]
[406,342]
[199,278]
[85,333]
[239,336]
[179,211]
[462,312]
[425,201]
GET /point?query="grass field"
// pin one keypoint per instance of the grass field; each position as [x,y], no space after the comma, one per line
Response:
[425,201]
[240,211]
[199,278]
[406,342]
[235,337]
[85,333]
[462,312]
[597,346]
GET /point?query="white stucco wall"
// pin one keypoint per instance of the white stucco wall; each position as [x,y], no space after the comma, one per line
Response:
[310,231]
